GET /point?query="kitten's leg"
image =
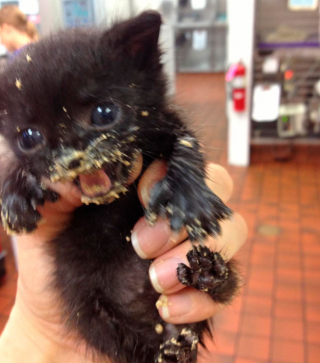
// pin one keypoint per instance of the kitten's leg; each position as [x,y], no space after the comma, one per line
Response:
[183,196]
[182,349]
[209,272]
[20,197]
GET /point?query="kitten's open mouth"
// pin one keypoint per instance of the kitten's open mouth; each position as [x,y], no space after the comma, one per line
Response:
[101,175]
[95,184]
[98,183]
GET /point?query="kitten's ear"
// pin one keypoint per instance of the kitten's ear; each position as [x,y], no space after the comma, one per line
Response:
[137,37]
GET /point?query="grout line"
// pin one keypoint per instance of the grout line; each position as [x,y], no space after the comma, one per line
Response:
[275,281]
[303,286]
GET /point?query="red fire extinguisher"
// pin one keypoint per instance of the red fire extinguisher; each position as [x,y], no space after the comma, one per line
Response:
[236,75]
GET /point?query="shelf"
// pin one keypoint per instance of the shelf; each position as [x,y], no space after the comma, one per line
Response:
[285,141]
[289,45]
[199,69]
[201,25]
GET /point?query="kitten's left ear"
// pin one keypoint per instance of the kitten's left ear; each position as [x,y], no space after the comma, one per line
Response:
[137,38]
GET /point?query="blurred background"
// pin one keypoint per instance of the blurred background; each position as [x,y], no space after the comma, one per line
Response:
[248,72]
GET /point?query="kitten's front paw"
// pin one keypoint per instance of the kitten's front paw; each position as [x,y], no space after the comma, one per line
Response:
[182,349]
[209,272]
[192,205]
[19,212]
[17,215]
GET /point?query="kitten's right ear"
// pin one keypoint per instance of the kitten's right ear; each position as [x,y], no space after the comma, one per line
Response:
[136,38]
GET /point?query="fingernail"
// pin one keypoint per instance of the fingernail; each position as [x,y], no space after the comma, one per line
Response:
[147,240]
[136,245]
[174,305]
[163,274]
[146,191]
[145,195]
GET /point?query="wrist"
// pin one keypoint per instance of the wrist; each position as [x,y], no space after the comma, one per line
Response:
[23,341]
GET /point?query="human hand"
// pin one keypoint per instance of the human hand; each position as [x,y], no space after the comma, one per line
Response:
[34,332]
[185,305]
[36,317]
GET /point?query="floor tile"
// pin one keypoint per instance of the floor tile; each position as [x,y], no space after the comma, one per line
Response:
[252,347]
[288,329]
[255,325]
[313,353]
[289,292]
[258,305]
[288,309]
[313,332]
[313,312]
[287,351]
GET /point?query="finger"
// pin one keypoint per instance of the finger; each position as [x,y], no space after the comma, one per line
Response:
[70,198]
[187,306]
[219,181]
[163,271]
[155,172]
[136,170]
[152,241]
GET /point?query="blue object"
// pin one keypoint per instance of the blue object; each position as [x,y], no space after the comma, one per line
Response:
[303,3]
[78,13]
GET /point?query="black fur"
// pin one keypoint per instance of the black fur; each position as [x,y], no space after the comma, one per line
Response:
[53,86]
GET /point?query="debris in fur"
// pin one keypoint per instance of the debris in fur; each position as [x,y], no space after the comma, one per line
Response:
[128,238]
[152,218]
[145,113]
[175,342]
[159,329]
[186,143]
[169,209]
[29,59]
[18,84]
[108,198]
[163,302]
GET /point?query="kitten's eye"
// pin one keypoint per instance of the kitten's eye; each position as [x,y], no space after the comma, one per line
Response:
[30,138]
[105,114]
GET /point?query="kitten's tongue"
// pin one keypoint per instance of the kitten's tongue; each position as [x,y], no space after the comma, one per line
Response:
[95,184]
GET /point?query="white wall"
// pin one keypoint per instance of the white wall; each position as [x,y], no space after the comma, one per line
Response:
[50,15]
[141,5]
[240,47]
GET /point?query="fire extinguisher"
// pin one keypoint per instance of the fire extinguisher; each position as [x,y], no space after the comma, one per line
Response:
[236,75]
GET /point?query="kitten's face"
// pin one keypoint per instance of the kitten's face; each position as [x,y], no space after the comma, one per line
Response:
[73,106]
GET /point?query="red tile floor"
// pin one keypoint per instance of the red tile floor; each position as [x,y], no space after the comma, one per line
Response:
[276,318]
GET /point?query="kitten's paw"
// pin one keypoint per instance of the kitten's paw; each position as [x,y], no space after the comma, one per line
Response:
[19,212]
[188,204]
[209,272]
[18,215]
[182,349]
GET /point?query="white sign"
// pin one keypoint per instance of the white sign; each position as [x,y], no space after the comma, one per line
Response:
[303,4]
[266,101]
[29,7]
[198,4]
[199,39]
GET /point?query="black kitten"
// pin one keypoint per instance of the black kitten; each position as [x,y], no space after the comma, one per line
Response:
[82,105]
